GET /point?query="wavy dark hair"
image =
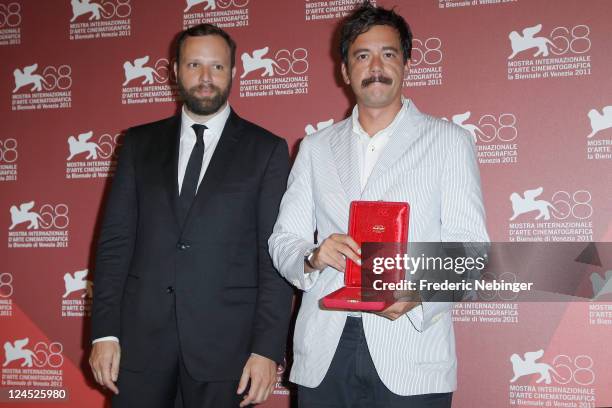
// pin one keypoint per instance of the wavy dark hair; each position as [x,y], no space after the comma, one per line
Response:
[202,30]
[365,17]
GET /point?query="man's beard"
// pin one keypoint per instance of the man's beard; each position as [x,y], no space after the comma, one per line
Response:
[207,105]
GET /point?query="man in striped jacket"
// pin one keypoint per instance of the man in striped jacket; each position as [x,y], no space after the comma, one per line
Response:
[386,150]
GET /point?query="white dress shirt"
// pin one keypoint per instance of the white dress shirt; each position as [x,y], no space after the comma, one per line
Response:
[187,141]
[212,135]
[370,148]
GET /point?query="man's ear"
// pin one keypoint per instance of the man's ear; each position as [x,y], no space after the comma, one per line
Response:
[233,72]
[175,69]
[345,75]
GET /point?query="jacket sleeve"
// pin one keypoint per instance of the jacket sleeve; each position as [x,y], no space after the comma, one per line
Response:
[294,230]
[462,215]
[274,296]
[115,246]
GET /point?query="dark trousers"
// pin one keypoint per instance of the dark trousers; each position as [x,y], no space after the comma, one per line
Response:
[166,382]
[352,380]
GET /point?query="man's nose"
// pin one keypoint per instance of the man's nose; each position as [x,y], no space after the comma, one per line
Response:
[375,64]
[205,74]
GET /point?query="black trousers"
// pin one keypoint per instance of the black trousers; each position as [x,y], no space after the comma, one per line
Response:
[352,380]
[165,383]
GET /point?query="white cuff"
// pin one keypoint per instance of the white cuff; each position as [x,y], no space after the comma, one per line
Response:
[297,276]
[426,314]
[107,338]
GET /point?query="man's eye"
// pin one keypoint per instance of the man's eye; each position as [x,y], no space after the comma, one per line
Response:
[362,56]
[192,64]
[219,67]
[389,54]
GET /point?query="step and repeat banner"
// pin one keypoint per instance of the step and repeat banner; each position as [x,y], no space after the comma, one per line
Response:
[530,80]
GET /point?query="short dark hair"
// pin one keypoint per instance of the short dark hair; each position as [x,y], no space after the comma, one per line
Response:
[202,30]
[365,17]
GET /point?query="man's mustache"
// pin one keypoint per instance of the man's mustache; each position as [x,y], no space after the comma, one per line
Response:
[202,87]
[380,78]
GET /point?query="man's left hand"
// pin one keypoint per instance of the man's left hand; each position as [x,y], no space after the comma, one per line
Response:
[261,371]
[396,310]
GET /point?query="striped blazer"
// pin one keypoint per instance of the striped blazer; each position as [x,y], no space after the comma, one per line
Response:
[429,163]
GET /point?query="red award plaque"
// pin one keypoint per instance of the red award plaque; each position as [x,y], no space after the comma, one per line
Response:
[372,222]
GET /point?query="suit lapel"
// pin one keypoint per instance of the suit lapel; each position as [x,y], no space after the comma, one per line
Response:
[405,133]
[222,157]
[345,151]
[170,164]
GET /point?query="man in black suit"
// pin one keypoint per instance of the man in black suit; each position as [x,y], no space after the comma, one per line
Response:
[185,291]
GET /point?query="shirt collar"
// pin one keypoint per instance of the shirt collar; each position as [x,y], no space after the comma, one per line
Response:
[359,130]
[214,124]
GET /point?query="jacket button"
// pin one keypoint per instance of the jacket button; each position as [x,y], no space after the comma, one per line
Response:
[182,246]
[169,289]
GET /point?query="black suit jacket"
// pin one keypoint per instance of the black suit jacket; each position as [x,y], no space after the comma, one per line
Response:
[213,273]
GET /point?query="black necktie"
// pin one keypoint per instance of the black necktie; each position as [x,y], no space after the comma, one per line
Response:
[192,174]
